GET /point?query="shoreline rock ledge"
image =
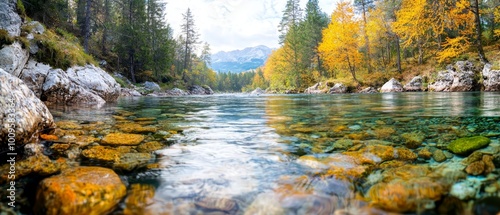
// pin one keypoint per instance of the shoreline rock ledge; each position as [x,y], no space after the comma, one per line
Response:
[30,113]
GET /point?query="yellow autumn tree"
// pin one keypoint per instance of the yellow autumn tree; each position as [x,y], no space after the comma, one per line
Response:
[455,16]
[413,25]
[339,48]
[277,70]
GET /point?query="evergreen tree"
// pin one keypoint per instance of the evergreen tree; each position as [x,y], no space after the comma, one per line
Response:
[190,38]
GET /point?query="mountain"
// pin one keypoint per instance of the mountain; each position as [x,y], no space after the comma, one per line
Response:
[240,60]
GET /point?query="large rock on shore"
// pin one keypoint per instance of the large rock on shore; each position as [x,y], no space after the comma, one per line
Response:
[34,74]
[318,88]
[9,19]
[80,190]
[458,78]
[30,114]
[338,88]
[414,85]
[13,58]
[59,89]
[392,85]
[95,80]
[198,90]
[491,78]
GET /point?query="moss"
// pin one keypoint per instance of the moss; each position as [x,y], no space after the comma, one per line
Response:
[61,50]
[464,146]
[5,39]
[25,43]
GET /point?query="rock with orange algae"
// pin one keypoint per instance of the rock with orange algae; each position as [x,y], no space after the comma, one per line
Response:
[475,168]
[406,172]
[38,164]
[131,161]
[405,195]
[384,132]
[475,156]
[425,153]
[49,137]
[150,147]
[135,128]
[80,190]
[438,155]
[481,167]
[413,140]
[405,154]
[102,153]
[139,197]
[122,139]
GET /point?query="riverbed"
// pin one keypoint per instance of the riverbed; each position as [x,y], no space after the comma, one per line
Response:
[305,154]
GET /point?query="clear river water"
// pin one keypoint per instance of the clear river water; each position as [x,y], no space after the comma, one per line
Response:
[265,154]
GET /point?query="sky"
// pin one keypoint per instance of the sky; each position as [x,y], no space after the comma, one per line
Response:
[234,24]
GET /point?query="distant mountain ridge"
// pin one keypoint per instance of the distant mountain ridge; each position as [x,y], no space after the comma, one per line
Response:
[240,60]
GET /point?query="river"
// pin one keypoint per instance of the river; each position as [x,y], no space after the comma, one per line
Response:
[251,154]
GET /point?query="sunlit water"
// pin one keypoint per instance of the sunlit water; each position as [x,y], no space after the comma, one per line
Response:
[239,153]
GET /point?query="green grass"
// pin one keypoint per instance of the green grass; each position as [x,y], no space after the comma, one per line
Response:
[5,38]
[61,50]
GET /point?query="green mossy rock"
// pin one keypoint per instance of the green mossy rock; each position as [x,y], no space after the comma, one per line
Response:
[467,145]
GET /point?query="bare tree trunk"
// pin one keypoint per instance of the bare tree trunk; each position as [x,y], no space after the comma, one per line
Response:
[479,41]
[398,54]
[86,27]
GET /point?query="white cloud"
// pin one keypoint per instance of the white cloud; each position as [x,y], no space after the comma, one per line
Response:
[234,24]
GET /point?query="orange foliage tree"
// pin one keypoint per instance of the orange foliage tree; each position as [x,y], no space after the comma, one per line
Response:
[340,46]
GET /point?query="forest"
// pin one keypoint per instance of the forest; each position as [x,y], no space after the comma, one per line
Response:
[360,43]
[366,42]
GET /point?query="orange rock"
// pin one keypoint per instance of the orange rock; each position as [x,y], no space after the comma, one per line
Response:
[49,137]
[404,196]
[385,132]
[425,153]
[405,154]
[80,190]
[475,168]
[122,139]
[489,166]
[139,197]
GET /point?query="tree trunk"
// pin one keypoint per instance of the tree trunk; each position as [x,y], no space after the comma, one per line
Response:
[86,27]
[479,41]
[398,54]
[367,41]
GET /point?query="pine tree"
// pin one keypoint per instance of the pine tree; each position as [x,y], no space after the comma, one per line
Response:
[190,38]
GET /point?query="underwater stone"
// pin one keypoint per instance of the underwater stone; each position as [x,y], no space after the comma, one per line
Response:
[122,139]
[464,146]
[464,190]
[80,190]
[439,155]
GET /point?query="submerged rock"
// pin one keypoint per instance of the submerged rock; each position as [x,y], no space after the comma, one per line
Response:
[467,145]
[80,190]
[122,139]
[31,116]
[392,86]
[139,197]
